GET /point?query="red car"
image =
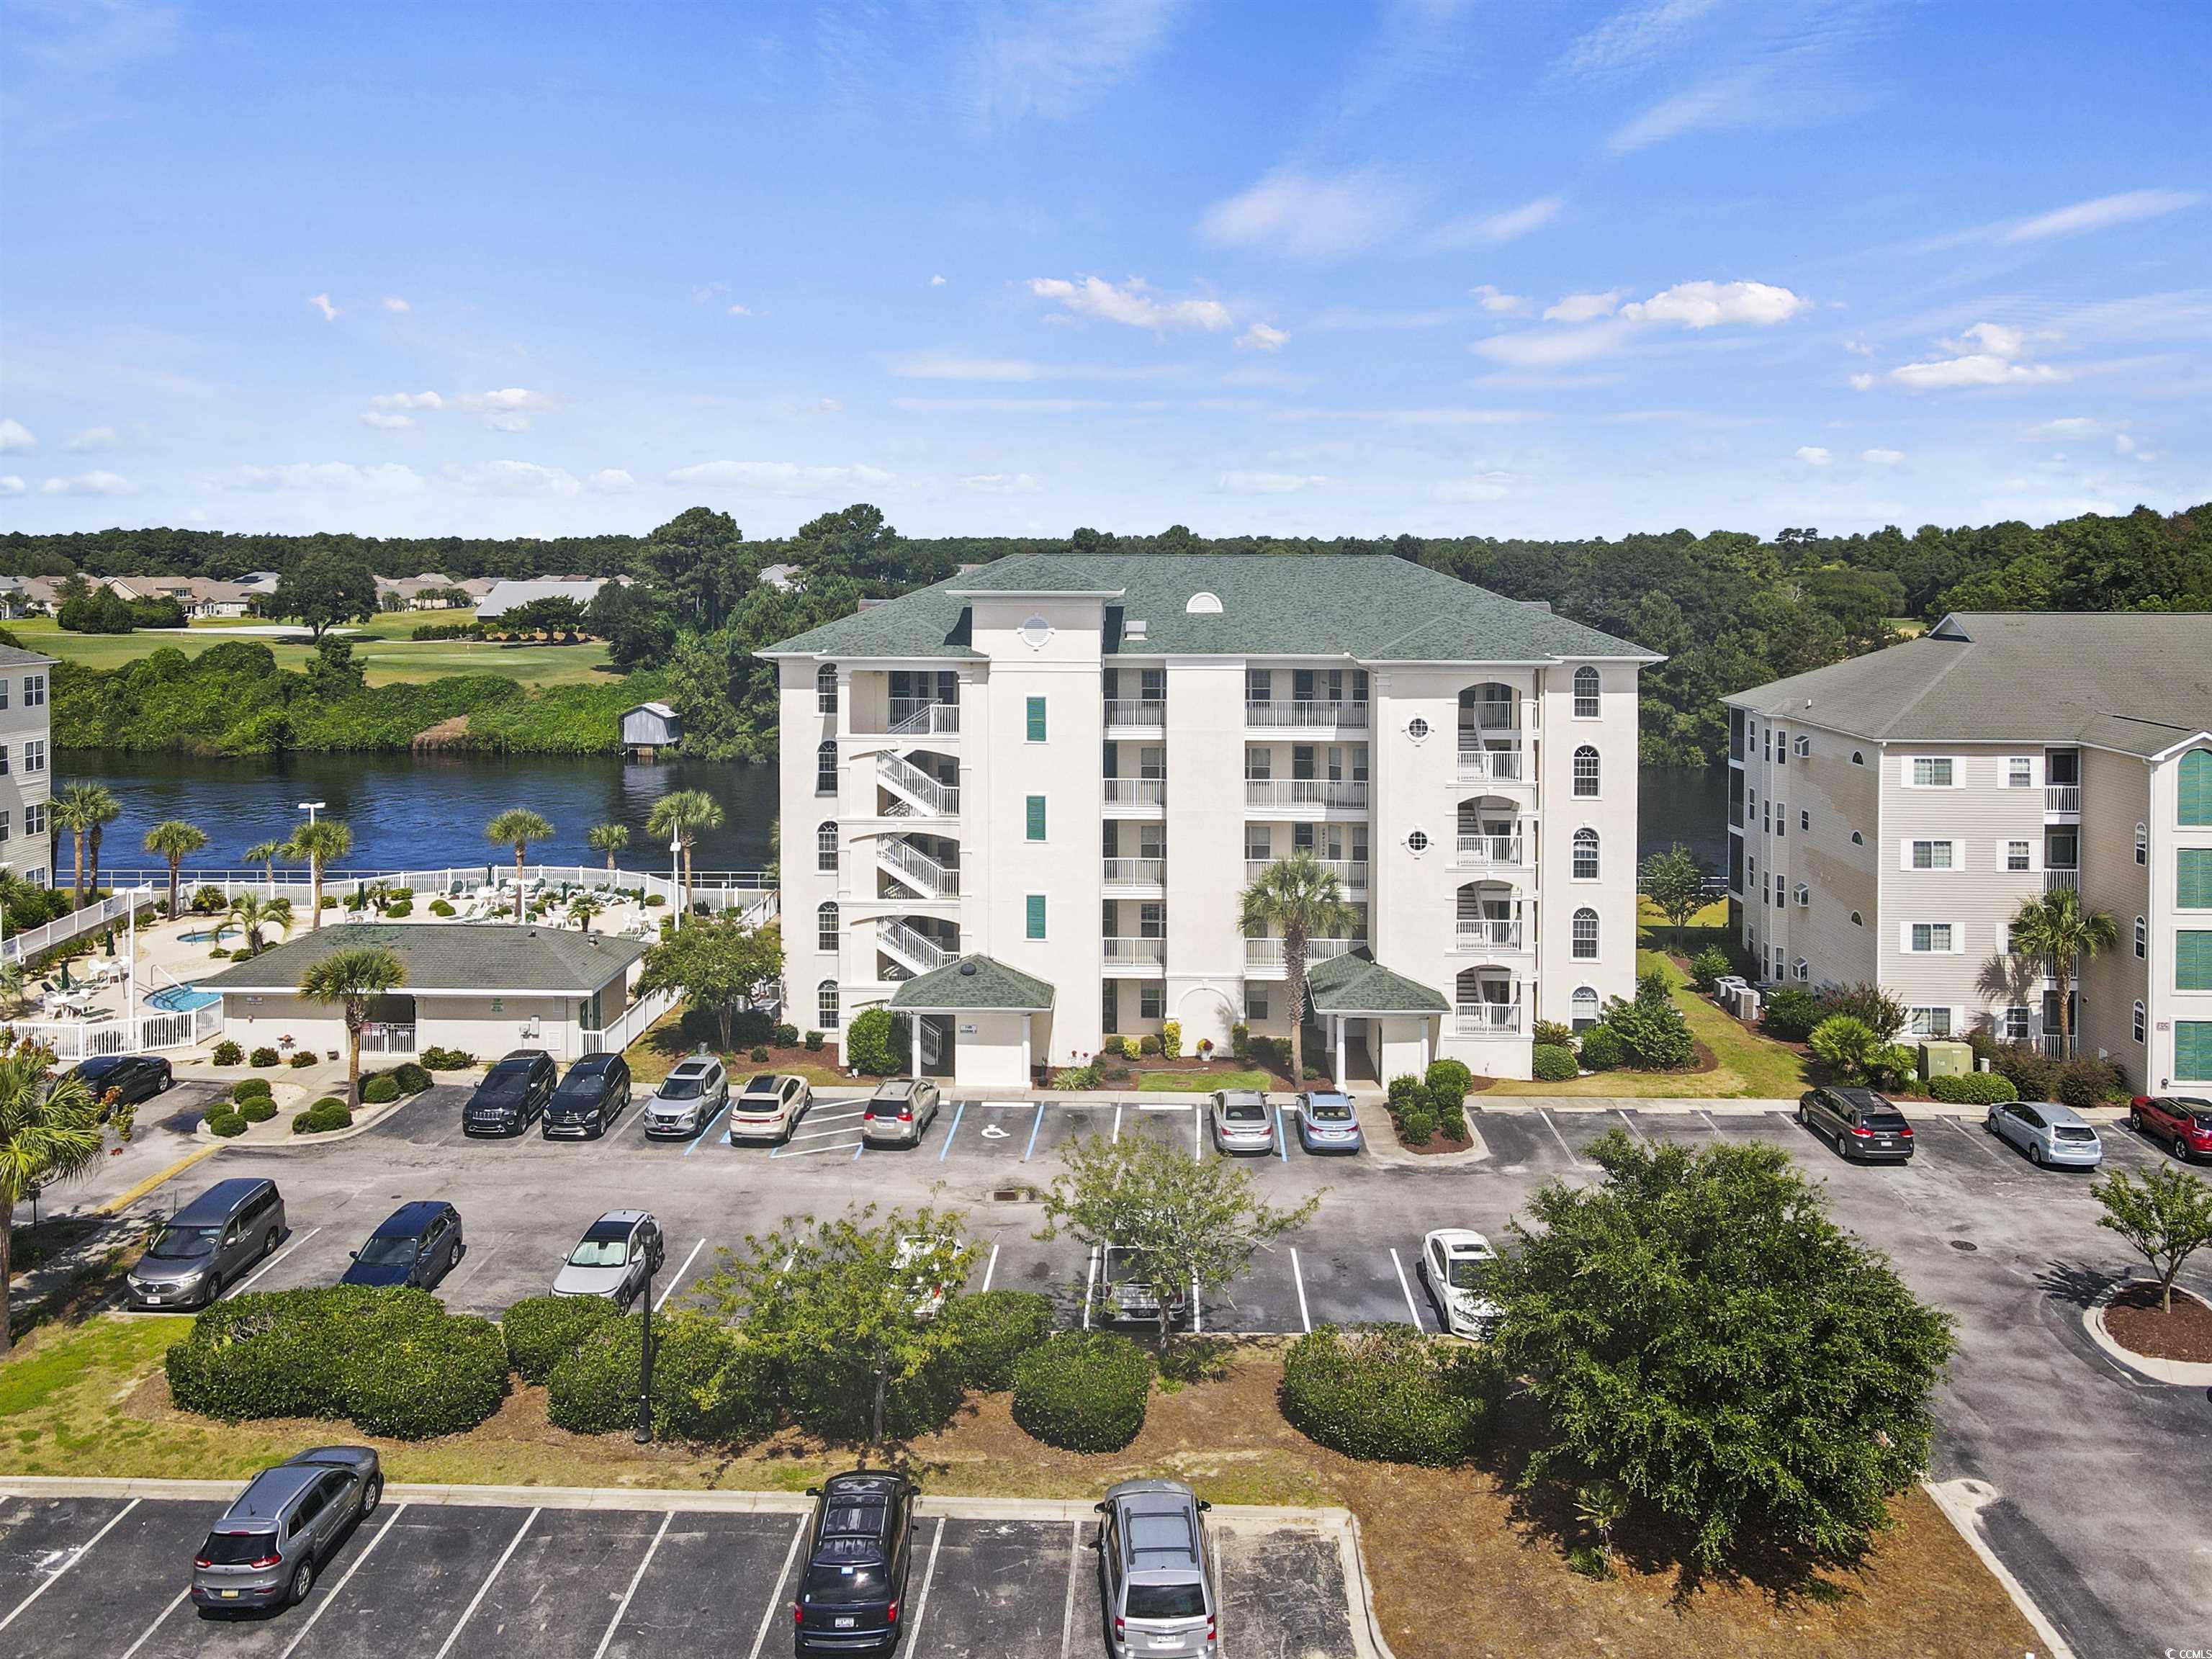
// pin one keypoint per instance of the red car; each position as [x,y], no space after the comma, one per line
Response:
[2182,1123]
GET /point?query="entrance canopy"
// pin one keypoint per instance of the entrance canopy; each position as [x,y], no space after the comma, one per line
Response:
[1359,985]
[973,985]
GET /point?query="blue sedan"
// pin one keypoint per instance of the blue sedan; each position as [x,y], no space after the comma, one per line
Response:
[2050,1134]
[1326,1122]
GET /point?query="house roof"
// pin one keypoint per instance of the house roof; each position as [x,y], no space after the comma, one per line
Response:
[506,593]
[2137,682]
[1355,983]
[12,657]
[973,984]
[1368,608]
[447,959]
[655,708]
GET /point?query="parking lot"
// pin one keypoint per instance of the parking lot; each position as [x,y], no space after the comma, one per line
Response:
[103,1578]
[2101,1510]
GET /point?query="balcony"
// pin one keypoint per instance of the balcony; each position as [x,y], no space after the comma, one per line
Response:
[2054,880]
[1149,873]
[1305,715]
[1351,873]
[1263,957]
[916,717]
[1142,956]
[1491,765]
[1136,794]
[1125,715]
[1329,795]
[1490,717]
[2064,797]
[1490,853]
[1484,935]
[1479,1019]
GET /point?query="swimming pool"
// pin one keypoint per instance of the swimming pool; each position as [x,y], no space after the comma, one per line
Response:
[182,998]
[206,935]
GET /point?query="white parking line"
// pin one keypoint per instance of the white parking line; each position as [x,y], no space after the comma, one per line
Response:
[1714,1127]
[83,1550]
[335,1590]
[1413,1307]
[291,1245]
[1305,1319]
[768,1613]
[1561,1139]
[146,1635]
[811,1152]
[1220,1646]
[990,1267]
[817,1134]
[1631,1122]
[922,1602]
[1117,1123]
[1197,1145]
[484,1589]
[1197,1309]
[676,1277]
[1067,1613]
[635,1579]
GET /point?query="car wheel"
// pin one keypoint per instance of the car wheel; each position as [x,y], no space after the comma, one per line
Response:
[303,1580]
[168,1082]
[2034,1154]
[371,1494]
[268,1241]
[2181,1148]
[2135,1120]
[213,1288]
[452,1258]
[1800,1112]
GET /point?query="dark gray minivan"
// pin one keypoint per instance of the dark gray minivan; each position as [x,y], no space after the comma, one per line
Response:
[207,1243]
[265,1549]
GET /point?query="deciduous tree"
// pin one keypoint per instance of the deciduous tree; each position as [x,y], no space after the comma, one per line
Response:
[322,588]
[718,966]
[2167,1216]
[1675,882]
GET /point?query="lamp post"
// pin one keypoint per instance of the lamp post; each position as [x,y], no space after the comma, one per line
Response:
[644,1432]
[311,807]
[675,872]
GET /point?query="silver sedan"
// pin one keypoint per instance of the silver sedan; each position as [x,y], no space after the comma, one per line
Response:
[2050,1134]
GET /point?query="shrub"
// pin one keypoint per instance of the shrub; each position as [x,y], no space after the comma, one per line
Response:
[1148,1044]
[302,1060]
[435,1059]
[1171,1038]
[379,1091]
[244,953]
[1075,1077]
[224,1122]
[757,1054]
[248,1087]
[750,1028]
[707,1385]
[1602,1050]
[1882,1011]
[541,1331]
[1708,967]
[1240,1042]
[1653,1033]
[870,1043]
[411,1079]
[787,1037]
[1552,1063]
[1083,1391]
[327,1113]
[1451,1122]
[1401,1089]
[1789,1013]
[257,1108]
[994,1329]
[207,900]
[1858,1052]
[227,1053]
[400,911]
[814,1040]
[1388,1394]
[2032,1072]
[1551,1031]
[1417,1124]
[441,908]
[444,1378]
[1972,1089]
[1449,1076]
[264,1057]
[2086,1081]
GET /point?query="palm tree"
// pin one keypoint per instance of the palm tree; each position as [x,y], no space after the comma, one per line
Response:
[49,1131]
[15,987]
[175,839]
[252,912]
[517,826]
[608,838]
[266,853]
[1301,899]
[353,978]
[105,810]
[320,843]
[81,808]
[682,815]
[584,907]
[2056,928]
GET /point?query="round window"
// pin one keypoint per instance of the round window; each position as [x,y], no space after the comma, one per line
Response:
[1417,728]
[1035,632]
[1419,841]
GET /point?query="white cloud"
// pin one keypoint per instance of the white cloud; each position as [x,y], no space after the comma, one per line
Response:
[12,485]
[1633,38]
[1481,487]
[740,311]
[951,366]
[1702,305]
[1261,337]
[509,408]
[2123,209]
[610,481]
[88,483]
[93,437]
[389,478]
[830,406]
[1582,307]
[1309,216]
[1266,483]
[14,434]
[396,306]
[1813,455]
[1555,348]
[2123,444]
[384,420]
[1744,97]
[1988,354]
[1857,346]
[407,400]
[1493,300]
[1881,457]
[515,478]
[782,477]
[1862,382]
[1054,58]
[1132,303]
[1000,483]
[2071,426]
[322,303]
[937,282]
[1487,229]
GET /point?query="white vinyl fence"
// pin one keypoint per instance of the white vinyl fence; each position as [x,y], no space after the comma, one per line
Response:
[72,1040]
[112,911]
[742,891]
[631,1024]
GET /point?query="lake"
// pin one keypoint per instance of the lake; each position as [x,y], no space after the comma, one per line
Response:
[418,812]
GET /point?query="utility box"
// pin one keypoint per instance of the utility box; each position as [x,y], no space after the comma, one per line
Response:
[1942,1057]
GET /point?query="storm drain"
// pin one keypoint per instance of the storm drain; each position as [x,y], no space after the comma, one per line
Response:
[1966,1245]
[1014,1195]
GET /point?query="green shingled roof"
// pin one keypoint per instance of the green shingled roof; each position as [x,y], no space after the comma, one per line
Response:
[1370,608]
[463,958]
[970,985]
[1357,984]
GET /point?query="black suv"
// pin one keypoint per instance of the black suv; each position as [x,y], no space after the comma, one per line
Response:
[591,1097]
[511,1095]
[130,1077]
[1859,1124]
[418,1244]
[857,1559]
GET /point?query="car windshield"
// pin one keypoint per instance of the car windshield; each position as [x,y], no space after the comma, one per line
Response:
[1167,1601]
[762,1085]
[1329,1111]
[2201,1110]
[684,1088]
[1244,1111]
[587,1087]
[394,1252]
[602,1247]
[1887,1123]
[507,1074]
[832,1579]
[1465,1272]
[235,1549]
[182,1243]
[2075,1132]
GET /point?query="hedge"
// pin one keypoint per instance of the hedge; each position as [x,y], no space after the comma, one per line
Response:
[444,1378]
[994,1329]
[1973,1089]
[1451,1077]
[227,1053]
[1602,1050]
[1552,1063]
[1083,1391]
[327,1113]
[257,1108]
[246,1087]
[411,1079]
[707,1384]
[379,1091]
[542,1331]
[1388,1394]
[447,1060]
[225,1123]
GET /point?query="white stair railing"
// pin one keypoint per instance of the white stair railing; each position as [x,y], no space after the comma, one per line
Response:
[917,869]
[903,777]
[910,947]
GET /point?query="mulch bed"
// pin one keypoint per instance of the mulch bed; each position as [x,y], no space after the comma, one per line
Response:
[2133,1321]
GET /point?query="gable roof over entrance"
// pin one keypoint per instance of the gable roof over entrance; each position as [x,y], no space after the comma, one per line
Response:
[1358,984]
[973,984]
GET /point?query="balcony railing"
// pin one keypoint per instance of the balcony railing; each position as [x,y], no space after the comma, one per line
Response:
[1484,851]
[917,869]
[1135,872]
[1305,712]
[914,717]
[1343,794]
[1134,952]
[382,1037]
[902,776]
[1486,1020]
[1266,954]
[1480,765]
[1122,712]
[1351,873]
[2054,880]
[1487,933]
[919,953]
[2061,797]
[1136,791]
[1490,717]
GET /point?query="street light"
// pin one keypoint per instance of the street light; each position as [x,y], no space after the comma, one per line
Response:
[311,807]
[675,872]
[643,1435]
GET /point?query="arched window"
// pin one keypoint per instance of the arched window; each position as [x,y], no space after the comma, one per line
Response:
[825,1004]
[825,926]
[2196,782]
[1856,921]
[1586,935]
[2142,843]
[2143,938]
[1857,839]
[825,689]
[1585,855]
[825,849]
[1586,772]
[1858,759]
[1586,693]
[2140,1021]
[1585,1008]
[825,767]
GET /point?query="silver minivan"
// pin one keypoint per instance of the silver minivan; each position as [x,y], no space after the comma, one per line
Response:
[265,1549]
[209,1244]
[1155,1572]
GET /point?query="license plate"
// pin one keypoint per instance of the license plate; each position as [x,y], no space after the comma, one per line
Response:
[1167,1641]
[843,1624]
[230,1595]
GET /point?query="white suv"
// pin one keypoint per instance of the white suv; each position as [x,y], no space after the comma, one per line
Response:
[688,1099]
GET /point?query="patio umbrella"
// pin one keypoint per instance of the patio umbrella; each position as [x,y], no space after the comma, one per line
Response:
[66,985]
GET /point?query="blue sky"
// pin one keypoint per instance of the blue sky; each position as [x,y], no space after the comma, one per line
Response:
[1558,270]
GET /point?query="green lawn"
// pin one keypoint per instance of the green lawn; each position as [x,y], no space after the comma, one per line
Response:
[1202,1082]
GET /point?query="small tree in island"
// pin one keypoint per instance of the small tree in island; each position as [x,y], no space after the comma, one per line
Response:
[518,827]
[2166,1216]
[353,978]
[719,967]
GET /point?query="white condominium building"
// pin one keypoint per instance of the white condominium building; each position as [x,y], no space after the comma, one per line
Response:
[26,784]
[1022,805]
[1888,815]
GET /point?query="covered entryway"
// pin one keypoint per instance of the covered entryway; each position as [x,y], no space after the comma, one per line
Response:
[1375,1023]
[990,1020]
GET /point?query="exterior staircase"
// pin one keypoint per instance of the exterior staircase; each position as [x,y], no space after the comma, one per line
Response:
[915,870]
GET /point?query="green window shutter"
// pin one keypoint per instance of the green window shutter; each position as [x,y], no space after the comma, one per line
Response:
[2192,1050]
[2193,878]
[1036,817]
[1036,916]
[2193,962]
[2196,788]
[1036,720]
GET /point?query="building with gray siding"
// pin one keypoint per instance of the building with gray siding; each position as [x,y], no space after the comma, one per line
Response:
[26,761]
